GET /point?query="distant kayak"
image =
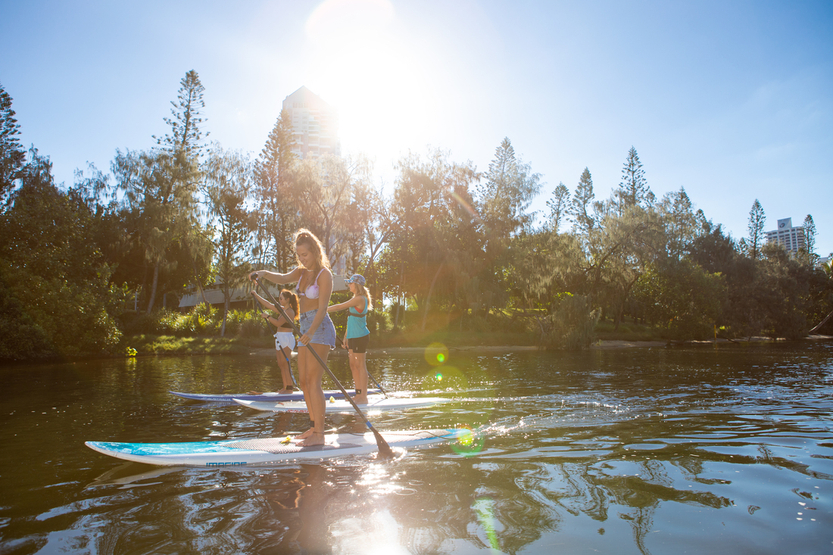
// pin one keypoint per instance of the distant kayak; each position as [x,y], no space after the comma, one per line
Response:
[244,452]
[279,397]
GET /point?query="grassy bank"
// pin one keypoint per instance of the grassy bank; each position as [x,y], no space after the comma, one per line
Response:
[173,345]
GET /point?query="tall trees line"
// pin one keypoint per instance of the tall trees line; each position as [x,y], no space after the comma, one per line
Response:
[446,240]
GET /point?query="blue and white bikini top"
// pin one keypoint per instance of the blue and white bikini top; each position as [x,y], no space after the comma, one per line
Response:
[311,292]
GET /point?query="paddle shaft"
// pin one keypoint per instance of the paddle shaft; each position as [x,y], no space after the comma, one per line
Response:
[384,448]
[288,364]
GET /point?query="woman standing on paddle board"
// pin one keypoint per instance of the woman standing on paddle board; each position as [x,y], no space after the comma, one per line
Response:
[315,285]
[284,338]
[356,334]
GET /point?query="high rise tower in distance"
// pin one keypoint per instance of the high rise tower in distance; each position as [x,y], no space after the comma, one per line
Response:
[314,125]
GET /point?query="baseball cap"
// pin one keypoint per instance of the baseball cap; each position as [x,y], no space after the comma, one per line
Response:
[356,278]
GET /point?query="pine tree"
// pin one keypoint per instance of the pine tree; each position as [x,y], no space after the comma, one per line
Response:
[186,136]
[275,194]
[12,155]
[508,190]
[581,204]
[558,206]
[810,237]
[633,189]
[757,220]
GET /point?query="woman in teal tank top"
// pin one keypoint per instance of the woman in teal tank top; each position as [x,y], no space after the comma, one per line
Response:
[356,335]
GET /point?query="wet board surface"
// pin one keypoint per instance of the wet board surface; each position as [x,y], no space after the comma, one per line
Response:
[229,397]
[257,451]
[343,406]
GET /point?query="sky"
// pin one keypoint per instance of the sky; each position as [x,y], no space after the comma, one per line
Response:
[731,100]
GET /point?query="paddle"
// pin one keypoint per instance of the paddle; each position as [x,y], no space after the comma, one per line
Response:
[384,449]
[288,364]
[343,346]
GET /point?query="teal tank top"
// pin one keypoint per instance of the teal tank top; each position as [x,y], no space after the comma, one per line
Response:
[357,322]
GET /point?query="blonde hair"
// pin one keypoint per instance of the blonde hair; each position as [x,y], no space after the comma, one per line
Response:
[364,292]
[308,238]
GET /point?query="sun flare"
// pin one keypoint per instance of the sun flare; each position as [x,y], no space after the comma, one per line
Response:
[362,64]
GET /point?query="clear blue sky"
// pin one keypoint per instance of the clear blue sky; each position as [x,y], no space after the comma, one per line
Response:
[732,100]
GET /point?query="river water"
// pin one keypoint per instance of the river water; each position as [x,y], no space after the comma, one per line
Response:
[651,450]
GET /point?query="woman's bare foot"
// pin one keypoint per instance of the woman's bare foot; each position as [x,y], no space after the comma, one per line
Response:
[286,390]
[360,399]
[315,438]
[306,434]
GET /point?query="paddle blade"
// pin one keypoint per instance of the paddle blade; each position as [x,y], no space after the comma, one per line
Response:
[384,449]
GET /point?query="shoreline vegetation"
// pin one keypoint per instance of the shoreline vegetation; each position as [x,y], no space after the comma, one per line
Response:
[169,345]
[452,254]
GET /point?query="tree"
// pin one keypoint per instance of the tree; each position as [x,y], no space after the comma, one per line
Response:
[186,135]
[12,155]
[435,233]
[581,204]
[508,188]
[227,185]
[502,201]
[164,208]
[54,280]
[558,205]
[810,238]
[159,187]
[325,190]
[757,220]
[633,189]
[681,298]
[275,193]
[680,222]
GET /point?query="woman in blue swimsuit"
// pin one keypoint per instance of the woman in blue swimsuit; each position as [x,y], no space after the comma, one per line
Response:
[315,285]
[356,335]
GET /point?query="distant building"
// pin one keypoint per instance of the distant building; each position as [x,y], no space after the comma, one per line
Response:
[314,125]
[791,238]
[240,297]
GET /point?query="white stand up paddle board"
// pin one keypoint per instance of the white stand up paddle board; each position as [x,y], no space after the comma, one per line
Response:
[257,451]
[375,403]
[270,396]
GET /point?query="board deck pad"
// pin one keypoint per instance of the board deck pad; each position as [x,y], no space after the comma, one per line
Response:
[229,397]
[344,406]
[255,451]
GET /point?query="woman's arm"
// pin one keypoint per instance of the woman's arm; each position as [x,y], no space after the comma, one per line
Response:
[264,302]
[354,301]
[275,277]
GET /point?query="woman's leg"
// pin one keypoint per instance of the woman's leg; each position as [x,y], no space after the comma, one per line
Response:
[286,370]
[358,367]
[314,394]
[303,359]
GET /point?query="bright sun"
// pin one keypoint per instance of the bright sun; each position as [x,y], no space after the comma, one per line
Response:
[361,63]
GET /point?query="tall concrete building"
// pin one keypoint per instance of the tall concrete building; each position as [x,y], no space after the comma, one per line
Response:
[792,238]
[314,124]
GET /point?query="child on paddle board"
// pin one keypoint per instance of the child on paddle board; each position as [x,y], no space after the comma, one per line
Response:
[284,338]
[314,287]
[356,334]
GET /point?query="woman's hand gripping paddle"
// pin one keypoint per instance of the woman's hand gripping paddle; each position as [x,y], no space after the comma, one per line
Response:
[384,449]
